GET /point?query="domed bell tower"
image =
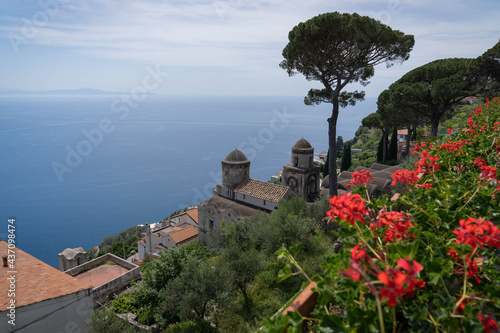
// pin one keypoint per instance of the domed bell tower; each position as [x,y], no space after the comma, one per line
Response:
[235,169]
[301,175]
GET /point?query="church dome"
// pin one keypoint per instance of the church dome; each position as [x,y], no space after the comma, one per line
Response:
[302,144]
[236,156]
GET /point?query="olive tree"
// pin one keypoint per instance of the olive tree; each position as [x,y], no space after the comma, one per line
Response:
[337,49]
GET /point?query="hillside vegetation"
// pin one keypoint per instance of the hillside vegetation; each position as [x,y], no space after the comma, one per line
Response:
[424,261]
[197,289]
[114,244]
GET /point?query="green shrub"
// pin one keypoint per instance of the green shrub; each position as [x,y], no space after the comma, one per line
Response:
[427,262]
[199,326]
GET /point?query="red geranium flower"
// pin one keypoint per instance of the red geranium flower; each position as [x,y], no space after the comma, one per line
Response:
[477,232]
[393,287]
[490,326]
[361,177]
[406,177]
[348,207]
[397,224]
[488,173]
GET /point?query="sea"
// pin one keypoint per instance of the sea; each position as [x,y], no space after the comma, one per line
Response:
[76,169]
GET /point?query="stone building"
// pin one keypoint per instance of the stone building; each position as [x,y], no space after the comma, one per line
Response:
[301,175]
[164,238]
[70,258]
[42,298]
[239,196]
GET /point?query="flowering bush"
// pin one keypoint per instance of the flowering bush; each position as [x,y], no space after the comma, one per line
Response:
[426,261]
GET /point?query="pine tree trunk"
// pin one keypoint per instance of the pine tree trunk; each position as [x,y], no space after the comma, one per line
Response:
[332,145]
[247,300]
[435,125]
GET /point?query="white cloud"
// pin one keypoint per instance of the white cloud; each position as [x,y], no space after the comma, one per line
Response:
[248,37]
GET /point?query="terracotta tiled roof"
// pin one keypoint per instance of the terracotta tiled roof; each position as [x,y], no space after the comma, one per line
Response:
[193,213]
[35,280]
[183,235]
[262,190]
[102,274]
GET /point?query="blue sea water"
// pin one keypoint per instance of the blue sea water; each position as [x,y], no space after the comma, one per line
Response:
[77,169]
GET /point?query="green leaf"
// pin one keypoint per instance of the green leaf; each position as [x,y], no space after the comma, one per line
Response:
[296,248]
[407,249]
[282,250]
[472,326]
[284,273]
[331,324]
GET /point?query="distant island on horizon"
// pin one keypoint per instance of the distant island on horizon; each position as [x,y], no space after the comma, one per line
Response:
[68,92]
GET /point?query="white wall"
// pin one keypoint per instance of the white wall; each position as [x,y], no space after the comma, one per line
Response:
[269,205]
[141,251]
[65,314]
[183,218]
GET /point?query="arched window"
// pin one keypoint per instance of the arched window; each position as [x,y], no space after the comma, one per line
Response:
[295,161]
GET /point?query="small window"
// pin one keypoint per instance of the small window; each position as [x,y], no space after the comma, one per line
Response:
[244,196]
[211,224]
[264,202]
[295,161]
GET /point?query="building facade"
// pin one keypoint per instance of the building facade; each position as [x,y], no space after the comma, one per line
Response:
[164,238]
[43,299]
[239,196]
[70,258]
[301,175]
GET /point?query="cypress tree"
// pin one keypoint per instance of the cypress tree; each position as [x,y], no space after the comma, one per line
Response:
[340,146]
[380,150]
[346,158]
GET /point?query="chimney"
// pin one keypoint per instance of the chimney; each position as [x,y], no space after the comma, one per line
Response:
[4,257]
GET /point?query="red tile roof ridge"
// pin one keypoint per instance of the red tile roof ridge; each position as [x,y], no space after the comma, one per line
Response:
[262,190]
[183,234]
[193,213]
[36,281]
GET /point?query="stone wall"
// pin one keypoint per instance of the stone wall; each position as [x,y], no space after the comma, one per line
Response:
[100,292]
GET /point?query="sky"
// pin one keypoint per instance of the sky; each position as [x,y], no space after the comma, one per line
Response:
[220,47]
